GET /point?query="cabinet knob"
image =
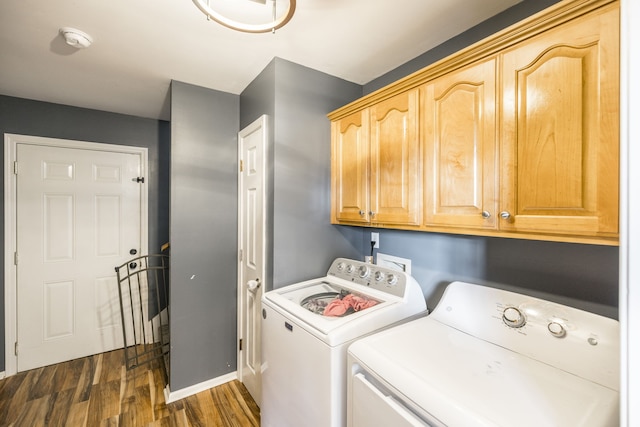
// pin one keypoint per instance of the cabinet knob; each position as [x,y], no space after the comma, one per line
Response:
[361,212]
[505,215]
[371,214]
[486,214]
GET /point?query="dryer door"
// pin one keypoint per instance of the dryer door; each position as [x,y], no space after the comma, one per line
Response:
[372,408]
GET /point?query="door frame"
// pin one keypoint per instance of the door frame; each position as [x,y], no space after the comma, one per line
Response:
[11,142]
[261,123]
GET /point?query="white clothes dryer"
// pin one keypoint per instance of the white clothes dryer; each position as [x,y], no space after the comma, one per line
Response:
[488,357]
[307,328]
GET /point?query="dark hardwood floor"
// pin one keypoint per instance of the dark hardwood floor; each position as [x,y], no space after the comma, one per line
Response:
[99,391]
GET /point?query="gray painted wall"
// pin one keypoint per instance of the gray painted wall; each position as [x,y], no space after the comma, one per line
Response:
[297,99]
[257,99]
[27,117]
[203,224]
[486,28]
[585,276]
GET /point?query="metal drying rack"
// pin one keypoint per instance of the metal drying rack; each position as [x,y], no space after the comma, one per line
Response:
[146,336]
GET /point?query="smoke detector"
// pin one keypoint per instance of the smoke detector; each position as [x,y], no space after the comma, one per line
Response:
[76,38]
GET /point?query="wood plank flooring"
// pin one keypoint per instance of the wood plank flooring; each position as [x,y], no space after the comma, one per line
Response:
[99,391]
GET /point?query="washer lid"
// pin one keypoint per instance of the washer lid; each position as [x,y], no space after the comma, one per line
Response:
[462,380]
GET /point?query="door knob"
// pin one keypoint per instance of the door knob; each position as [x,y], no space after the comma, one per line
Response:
[133,251]
[253,285]
[133,265]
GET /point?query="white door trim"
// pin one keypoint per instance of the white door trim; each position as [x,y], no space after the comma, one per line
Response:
[11,142]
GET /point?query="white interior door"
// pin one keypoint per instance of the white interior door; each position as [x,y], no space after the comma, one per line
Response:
[252,142]
[78,214]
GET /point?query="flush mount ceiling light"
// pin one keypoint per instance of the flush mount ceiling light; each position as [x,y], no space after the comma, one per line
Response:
[250,16]
[76,38]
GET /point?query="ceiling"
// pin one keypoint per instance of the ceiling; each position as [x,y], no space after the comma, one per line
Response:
[141,45]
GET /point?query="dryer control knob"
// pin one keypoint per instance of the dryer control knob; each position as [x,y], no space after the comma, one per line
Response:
[379,276]
[513,317]
[392,279]
[340,266]
[350,268]
[556,329]
[363,271]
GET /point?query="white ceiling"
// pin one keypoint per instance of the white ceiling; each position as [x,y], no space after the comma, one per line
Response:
[141,45]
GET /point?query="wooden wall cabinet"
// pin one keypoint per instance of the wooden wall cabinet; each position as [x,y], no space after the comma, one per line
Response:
[519,136]
[559,132]
[459,131]
[375,158]
[350,168]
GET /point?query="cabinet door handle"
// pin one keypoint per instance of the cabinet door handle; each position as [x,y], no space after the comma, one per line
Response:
[486,214]
[505,215]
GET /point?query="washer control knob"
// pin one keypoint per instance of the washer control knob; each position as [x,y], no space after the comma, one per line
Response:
[392,279]
[379,276]
[513,317]
[340,266]
[350,268]
[557,329]
[363,271]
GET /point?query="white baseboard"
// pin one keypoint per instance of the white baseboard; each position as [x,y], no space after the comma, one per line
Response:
[2,375]
[172,396]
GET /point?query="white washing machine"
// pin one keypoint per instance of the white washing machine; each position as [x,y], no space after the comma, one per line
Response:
[487,357]
[304,351]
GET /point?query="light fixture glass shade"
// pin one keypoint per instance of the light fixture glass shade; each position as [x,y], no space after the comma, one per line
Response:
[251,16]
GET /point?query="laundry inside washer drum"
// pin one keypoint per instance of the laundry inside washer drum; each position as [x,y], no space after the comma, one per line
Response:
[336,304]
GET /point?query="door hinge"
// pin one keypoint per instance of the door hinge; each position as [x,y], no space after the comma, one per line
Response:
[15,258]
[241,165]
[15,348]
[139,180]
[239,345]
[15,168]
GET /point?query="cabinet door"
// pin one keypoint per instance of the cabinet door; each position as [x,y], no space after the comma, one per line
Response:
[560,130]
[460,148]
[395,160]
[350,168]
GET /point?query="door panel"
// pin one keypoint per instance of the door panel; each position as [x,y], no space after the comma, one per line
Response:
[59,309]
[59,226]
[107,209]
[78,214]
